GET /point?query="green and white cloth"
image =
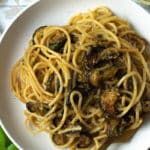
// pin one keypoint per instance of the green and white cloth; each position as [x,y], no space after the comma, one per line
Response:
[5,143]
[9,9]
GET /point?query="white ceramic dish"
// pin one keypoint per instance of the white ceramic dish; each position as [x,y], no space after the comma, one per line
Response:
[12,47]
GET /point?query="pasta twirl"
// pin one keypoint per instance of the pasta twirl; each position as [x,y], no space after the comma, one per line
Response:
[86,82]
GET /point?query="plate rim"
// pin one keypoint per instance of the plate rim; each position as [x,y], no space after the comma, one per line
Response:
[35,2]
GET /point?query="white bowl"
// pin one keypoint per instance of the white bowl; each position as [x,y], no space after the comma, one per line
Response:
[12,47]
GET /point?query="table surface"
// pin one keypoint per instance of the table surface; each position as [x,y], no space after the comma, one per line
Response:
[8,9]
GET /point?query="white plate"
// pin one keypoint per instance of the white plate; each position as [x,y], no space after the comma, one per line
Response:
[12,47]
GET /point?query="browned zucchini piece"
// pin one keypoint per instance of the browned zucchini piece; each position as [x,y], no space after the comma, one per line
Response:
[84,140]
[37,32]
[96,76]
[38,108]
[146,105]
[60,139]
[108,102]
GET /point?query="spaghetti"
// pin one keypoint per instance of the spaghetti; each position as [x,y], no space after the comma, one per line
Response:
[86,82]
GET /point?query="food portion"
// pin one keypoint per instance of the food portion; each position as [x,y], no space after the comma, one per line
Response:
[84,83]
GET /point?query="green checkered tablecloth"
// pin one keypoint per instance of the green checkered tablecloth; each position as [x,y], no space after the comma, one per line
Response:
[5,143]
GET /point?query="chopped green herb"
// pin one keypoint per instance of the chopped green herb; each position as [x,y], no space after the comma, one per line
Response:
[58,46]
